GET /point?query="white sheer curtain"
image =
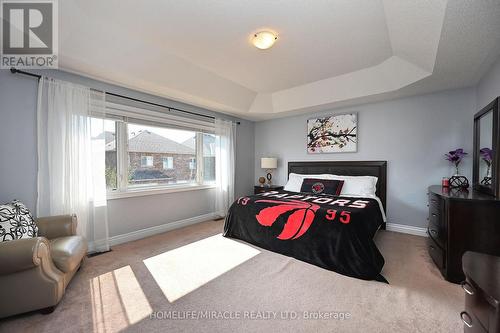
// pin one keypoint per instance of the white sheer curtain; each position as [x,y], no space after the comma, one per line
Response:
[225,134]
[71,157]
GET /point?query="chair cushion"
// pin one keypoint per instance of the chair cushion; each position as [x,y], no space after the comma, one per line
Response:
[16,222]
[68,252]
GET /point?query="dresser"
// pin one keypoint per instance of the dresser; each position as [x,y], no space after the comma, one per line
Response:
[461,221]
[482,293]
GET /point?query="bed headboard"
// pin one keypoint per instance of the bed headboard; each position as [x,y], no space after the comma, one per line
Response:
[347,168]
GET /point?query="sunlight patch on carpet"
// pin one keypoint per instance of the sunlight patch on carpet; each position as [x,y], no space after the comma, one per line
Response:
[185,269]
[117,296]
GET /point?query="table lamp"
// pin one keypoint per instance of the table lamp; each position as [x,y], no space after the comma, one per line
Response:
[269,163]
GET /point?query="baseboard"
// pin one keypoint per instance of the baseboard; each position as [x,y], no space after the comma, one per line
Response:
[407,229]
[143,233]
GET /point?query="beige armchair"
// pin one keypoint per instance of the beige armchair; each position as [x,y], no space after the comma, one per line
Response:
[34,272]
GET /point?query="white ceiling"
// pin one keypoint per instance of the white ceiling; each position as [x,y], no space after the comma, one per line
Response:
[329,53]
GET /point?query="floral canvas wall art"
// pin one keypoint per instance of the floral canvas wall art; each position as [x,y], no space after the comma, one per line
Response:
[333,134]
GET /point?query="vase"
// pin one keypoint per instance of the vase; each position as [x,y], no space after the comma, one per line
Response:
[457,173]
[487,178]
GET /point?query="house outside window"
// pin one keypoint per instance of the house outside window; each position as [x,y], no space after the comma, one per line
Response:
[143,154]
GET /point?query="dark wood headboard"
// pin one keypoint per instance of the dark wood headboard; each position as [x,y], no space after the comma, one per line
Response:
[347,168]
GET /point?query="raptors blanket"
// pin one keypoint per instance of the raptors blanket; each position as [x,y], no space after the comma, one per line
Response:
[328,231]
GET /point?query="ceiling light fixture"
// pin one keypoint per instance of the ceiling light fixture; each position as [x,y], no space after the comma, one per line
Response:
[264,39]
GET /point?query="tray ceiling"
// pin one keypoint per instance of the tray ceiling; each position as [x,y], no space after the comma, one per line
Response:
[329,53]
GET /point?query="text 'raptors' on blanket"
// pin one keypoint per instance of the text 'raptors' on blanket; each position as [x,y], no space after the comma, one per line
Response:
[302,212]
[317,199]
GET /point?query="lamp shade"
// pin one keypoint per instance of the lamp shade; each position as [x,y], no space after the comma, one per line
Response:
[268,163]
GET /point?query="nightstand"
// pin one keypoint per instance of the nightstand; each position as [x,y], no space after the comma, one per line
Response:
[261,189]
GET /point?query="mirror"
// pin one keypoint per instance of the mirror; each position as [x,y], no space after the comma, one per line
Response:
[486,168]
[485,155]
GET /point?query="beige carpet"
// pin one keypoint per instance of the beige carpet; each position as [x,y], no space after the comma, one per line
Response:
[187,273]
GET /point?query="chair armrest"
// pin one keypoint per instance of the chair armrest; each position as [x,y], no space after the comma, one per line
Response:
[57,226]
[21,254]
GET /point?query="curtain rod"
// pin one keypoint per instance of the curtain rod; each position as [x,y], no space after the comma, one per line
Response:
[17,71]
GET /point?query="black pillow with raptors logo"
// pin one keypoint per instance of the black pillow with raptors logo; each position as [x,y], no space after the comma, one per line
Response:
[322,186]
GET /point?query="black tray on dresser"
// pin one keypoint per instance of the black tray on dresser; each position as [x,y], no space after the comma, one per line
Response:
[461,221]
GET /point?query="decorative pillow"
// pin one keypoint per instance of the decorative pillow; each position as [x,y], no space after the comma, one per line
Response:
[322,186]
[16,222]
[294,183]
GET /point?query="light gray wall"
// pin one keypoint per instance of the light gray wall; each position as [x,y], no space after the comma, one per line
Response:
[245,155]
[17,139]
[131,214]
[488,87]
[412,134]
[18,162]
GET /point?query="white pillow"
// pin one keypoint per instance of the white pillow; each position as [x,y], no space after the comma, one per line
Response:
[358,185]
[294,183]
[353,185]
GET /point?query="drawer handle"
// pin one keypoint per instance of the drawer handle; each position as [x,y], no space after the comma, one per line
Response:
[433,200]
[467,288]
[434,232]
[433,214]
[432,247]
[467,321]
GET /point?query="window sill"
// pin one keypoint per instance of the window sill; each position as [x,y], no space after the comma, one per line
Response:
[154,191]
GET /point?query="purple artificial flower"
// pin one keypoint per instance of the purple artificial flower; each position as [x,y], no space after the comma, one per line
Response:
[455,156]
[486,155]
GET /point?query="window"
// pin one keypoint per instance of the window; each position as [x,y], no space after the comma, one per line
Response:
[208,158]
[108,134]
[146,161]
[153,153]
[168,163]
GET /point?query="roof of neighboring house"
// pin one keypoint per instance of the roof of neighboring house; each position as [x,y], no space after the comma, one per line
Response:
[208,144]
[107,135]
[149,142]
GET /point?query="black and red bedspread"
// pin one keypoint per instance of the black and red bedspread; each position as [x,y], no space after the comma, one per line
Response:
[332,232]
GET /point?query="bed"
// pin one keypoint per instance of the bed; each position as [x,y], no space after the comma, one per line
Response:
[331,231]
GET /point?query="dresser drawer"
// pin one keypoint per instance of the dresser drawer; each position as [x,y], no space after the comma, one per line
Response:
[471,323]
[435,200]
[437,222]
[436,252]
[438,232]
[436,208]
[476,304]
